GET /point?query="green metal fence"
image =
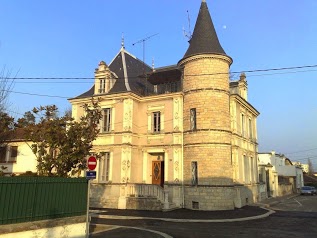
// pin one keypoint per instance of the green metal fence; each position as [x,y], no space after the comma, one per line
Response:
[24,199]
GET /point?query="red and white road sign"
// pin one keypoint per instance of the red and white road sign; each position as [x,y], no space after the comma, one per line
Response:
[92,163]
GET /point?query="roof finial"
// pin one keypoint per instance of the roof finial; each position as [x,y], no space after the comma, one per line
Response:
[122,41]
[153,63]
[203,0]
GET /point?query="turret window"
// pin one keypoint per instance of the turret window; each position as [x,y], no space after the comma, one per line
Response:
[193,126]
[194,173]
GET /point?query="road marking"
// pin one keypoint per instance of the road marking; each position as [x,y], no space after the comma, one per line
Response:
[298,202]
[187,220]
[109,228]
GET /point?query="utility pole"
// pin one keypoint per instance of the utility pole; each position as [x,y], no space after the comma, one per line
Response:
[143,49]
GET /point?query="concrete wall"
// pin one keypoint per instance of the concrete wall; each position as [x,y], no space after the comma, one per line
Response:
[285,189]
[70,227]
[67,231]
[104,195]
[209,198]
[246,195]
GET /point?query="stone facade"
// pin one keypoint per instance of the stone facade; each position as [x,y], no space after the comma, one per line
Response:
[209,144]
[186,136]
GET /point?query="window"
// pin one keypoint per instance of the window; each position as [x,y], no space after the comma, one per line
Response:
[104,168]
[193,119]
[3,150]
[194,173]
[13,153]
[261,174]
[246,169]
[156,122]
[11,156]
[242,125]
[102,85]
[250,128]
[106,120]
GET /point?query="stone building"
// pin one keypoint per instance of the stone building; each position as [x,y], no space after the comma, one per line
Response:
[178,136]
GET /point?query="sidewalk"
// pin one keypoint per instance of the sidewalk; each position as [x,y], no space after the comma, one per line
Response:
[269,202]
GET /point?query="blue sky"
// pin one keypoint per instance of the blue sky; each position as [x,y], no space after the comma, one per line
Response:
[69,38]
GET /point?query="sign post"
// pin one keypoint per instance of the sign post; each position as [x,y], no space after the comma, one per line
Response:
[90,174]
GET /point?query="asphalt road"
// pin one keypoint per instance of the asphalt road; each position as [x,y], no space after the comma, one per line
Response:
[296,217]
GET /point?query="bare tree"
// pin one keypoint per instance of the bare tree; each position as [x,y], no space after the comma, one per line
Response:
[310,167]
[6,85]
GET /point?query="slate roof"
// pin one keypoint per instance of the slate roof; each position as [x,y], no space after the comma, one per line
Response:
[129,70]
[165,74]
[204,38]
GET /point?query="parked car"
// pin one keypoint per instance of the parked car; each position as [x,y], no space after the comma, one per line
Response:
[309,190]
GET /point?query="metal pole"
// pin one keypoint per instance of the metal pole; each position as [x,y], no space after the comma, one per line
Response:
[87,214]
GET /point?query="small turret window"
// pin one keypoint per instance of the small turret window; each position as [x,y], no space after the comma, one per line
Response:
[193,125]
[194,173]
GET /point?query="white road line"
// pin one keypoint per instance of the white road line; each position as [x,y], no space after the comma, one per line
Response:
[298,202]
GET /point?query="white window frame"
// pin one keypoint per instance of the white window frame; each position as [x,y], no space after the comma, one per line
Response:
[106,120]
[242,125]
[156,122]
[8,154]
[105,168]
[151,109]
[250,129]
[246,169]
[102,85]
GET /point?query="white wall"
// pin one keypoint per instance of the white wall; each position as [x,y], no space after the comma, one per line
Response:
[25,161]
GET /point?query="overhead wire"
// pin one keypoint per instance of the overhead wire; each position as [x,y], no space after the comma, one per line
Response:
[207,74]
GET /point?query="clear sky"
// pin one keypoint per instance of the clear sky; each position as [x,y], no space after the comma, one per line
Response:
[58,38]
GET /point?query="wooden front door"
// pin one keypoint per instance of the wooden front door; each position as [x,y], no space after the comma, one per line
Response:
[158,172]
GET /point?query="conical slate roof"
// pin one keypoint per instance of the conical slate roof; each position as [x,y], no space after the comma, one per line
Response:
[204,39]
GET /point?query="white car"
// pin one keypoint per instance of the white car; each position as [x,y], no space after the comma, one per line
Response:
[309,190]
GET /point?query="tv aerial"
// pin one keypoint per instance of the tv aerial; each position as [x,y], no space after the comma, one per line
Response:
[189,33]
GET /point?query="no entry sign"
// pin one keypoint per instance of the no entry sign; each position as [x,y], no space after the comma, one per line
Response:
[92,163]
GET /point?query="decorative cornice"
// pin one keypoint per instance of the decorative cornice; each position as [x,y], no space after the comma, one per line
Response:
[223,58]
[208,186]
[207,89]
[206,143]
[199,130]
[245,103]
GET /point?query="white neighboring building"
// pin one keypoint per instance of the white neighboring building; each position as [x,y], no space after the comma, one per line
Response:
[16,156]
[305,167]
[278,176]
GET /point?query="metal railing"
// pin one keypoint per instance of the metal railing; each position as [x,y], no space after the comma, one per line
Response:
[145,190]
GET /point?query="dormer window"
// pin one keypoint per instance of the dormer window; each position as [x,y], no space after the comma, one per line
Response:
[102,86]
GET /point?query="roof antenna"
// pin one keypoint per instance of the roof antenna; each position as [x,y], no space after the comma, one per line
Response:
[143,49]
[189,33]
[122,41]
